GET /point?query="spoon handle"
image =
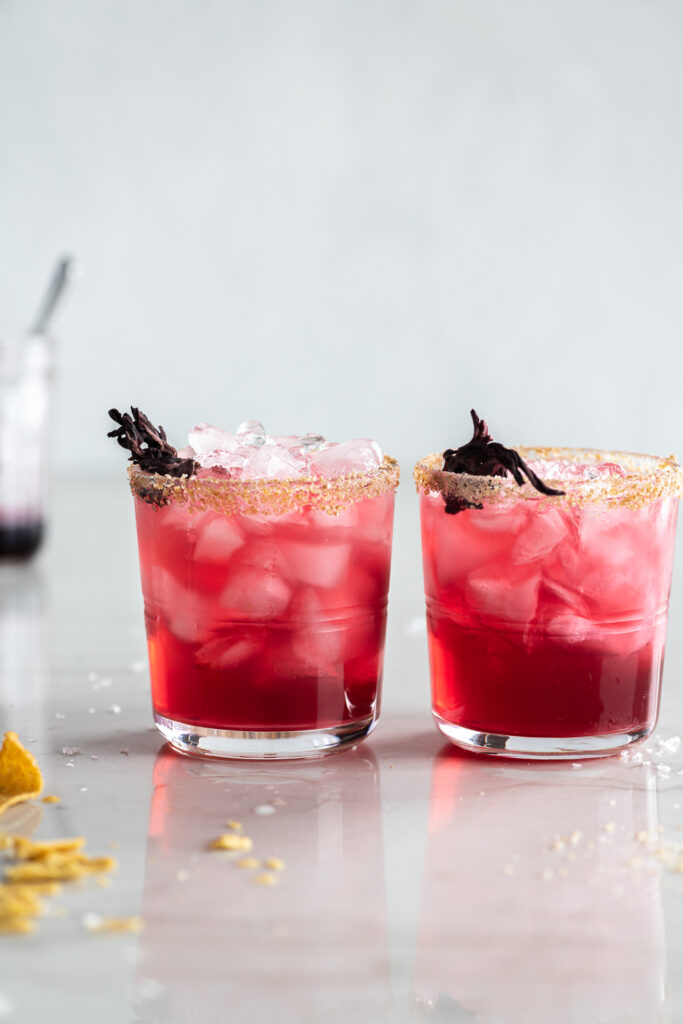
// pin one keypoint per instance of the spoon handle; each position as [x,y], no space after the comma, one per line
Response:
[58,281]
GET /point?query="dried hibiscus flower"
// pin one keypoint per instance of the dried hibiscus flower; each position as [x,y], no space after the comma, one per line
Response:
[482,456]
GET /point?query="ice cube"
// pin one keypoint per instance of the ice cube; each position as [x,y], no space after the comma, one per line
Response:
[224,652]
[312,442]
[254,592]
[218,540]
[321,565]
[185,612]
[251,433]
[358,456]
[272,462]
[511,600]
[542,533]
[205,439]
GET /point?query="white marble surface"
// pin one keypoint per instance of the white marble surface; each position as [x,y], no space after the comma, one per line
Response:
[420,884]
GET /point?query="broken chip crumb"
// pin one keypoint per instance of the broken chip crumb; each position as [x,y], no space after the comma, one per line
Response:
[230,841]
[275,863]
[248,862]
[265,878]
[237,825]
[20,776]
[52,799]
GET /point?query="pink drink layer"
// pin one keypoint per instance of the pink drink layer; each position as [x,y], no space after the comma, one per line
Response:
[265,622]
[547,618]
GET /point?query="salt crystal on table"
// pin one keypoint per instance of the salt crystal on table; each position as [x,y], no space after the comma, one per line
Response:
[669,746]
[137,666]
[360,455]
[60,715]
[70,751]
[114,709]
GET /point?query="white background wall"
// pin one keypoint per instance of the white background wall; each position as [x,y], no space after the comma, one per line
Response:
[356,217]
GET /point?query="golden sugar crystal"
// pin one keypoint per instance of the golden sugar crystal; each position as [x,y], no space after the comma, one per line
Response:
[233,843]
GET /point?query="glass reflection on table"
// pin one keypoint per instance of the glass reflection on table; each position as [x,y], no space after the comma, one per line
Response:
[312,948]
[22,649]
[536,905]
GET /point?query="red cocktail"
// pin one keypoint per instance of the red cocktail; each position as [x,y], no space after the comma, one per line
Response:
[547,614]
[265,600]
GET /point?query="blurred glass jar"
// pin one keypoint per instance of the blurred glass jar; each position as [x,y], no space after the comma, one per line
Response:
[25,383]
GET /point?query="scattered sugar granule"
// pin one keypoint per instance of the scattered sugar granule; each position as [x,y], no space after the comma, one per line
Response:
[84,789]
[264,809]
[508,869]
[265,878]
[547,874]
[613,803]
[611,826]
[232,842]
[275,863]
[558,844]
[60,715]
[92,676]
[98,923]
[182,875]
[115,709]
[91,711]
[137,666]
[94,757]
[575,837]
[70,751]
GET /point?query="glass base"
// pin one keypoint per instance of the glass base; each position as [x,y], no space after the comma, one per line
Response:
[230,743]
[570,748]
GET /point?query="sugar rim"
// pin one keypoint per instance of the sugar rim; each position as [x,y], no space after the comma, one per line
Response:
[264,497]
[648,478]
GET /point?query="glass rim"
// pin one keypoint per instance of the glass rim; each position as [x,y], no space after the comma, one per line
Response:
[265,496]
[648,478]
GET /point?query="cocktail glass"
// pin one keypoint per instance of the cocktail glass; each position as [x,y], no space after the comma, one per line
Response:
[547,614]
[25,376]
[265,608]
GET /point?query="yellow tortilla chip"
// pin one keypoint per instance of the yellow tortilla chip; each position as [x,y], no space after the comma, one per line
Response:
[20,777]
[26,849]
[58,867]
[17,901]
[16,925]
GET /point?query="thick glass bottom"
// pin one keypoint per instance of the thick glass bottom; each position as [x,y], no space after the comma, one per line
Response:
[20,540]
[198,741]
[540,747]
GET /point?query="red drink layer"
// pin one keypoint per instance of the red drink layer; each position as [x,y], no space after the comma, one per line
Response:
[265,622]
[547,616]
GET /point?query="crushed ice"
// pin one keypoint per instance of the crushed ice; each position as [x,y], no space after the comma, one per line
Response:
[250,453]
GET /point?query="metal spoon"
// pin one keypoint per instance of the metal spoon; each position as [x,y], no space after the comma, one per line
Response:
[61,276]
